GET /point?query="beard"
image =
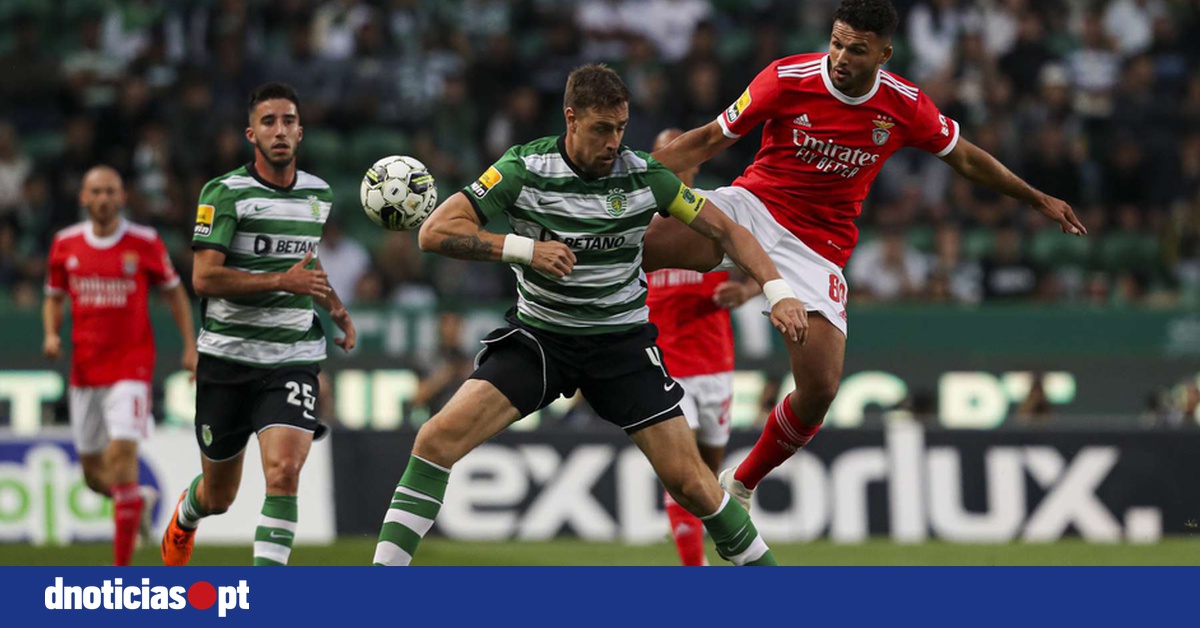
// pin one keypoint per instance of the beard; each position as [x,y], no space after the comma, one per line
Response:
[277,162]
[103,215]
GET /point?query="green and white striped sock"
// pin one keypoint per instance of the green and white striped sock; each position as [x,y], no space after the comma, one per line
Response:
[415,505]
[736,537]
[276,531]
[190,511]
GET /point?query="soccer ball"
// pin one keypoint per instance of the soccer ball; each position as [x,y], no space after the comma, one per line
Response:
[398,193]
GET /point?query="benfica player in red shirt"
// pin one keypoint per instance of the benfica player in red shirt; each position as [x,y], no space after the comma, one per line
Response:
[107,265]
[829,123]
[691,311]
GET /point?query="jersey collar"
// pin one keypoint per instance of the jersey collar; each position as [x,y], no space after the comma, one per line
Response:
[97,242]
[562,150]
[254,173]
[836,93]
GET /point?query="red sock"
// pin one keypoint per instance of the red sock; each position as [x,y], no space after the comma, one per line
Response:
[688,532]
[782,436]
[127,512]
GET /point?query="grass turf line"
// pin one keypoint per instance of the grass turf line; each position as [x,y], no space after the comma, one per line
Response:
[567,552]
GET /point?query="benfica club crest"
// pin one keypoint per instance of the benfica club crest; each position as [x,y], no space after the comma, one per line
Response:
[129,263]
[882,132]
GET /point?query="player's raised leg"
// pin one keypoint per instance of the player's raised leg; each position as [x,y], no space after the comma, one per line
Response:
[474,414]
[817,369]
[671,448]
[671,244]
[284,450]
[210,493]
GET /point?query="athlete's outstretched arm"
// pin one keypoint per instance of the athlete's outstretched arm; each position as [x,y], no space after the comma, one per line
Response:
[979,166]
[338,313]
[787,314]
[454,230]
[694,147]
[211,278]
[181,310]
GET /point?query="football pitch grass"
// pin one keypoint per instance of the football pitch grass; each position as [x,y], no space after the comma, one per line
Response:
[436,551]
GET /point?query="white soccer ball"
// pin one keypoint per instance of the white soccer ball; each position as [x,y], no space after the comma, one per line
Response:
[398,193]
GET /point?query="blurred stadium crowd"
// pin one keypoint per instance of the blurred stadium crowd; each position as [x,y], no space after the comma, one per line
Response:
[1096,102]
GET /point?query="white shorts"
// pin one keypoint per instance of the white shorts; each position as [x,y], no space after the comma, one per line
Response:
[818,282]
[706,406]
[117,412]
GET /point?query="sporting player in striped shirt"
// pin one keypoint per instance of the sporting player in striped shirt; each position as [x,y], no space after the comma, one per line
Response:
[579,205]
[256,267]
[829,123]
[691,312]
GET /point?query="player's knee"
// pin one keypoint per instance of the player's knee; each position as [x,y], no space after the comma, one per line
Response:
[283,475]
[690,489]
[813,397]
[219,504]
[432,443]
[216,500]
[95,482]
[436,444]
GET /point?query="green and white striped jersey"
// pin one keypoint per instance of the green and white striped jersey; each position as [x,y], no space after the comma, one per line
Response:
[602,219]
[262,229]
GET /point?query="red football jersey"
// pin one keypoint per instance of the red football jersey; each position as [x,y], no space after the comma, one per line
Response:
[822,149]
[108,280]
[693,332]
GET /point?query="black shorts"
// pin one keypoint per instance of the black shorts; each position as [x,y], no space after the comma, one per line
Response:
[622,374]
[234,400]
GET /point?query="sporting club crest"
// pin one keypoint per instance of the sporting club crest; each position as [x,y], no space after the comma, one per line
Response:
[616,202]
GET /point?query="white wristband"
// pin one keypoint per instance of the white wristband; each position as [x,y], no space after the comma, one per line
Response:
[777,290]
[517,250]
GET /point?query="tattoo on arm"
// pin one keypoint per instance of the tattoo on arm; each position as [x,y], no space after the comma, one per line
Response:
[467,247]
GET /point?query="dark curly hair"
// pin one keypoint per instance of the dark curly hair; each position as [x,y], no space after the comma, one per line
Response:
[872,16]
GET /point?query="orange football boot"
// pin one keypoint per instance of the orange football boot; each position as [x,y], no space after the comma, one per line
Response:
[177,543]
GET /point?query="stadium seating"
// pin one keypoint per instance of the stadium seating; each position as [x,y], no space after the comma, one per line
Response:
[368,145]
[977,243]
[921,238]
[43,146]
[324,152]
[1050,249]
[1138,252]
